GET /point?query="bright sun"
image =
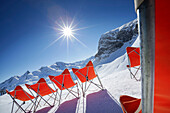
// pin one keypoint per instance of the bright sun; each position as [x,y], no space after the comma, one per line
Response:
[67,31]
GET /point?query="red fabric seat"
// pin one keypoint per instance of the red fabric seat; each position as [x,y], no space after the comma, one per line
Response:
[85,74]
[134,56]
[20,94]
[41,87]
[58,80]
[130,104]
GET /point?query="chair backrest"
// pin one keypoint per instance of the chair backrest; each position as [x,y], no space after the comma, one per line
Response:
[130,104]
[64,78]
[20,94]
[41,87]
[134,56]
[86,73]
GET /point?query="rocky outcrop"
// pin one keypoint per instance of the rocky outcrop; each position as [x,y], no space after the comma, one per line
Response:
[115,39]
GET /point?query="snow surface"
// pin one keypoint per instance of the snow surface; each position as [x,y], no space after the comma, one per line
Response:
[116,80]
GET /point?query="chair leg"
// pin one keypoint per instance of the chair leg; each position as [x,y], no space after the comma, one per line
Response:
[97,85]
[88,85]
[37,105]
[134,75]
[12,107]
[85,86]
[78,90]
[60,97]
[68,93]
[47,100]
[33,109]
[28,107]
[71,93]
[100,82]
[19,107]
[131,74]
[17,110]
[55,98]
[83,91]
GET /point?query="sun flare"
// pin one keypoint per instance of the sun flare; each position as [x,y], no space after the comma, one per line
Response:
[67,31]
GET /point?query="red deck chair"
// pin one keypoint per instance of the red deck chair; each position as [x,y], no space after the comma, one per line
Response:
[64,81]
[87,74]
[41,88]
[130,104]
[134,61]
[22,95]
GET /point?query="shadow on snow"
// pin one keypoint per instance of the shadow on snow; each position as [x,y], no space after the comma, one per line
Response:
[44,110]
[68,106]
[98,102]
[102,102]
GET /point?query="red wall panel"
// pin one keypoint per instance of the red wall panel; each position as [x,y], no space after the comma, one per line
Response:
[162,57]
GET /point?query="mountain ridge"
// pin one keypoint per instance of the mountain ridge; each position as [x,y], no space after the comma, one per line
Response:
[113,40]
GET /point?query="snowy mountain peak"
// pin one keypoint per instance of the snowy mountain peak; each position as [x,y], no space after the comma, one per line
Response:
[115,39]
[26,73]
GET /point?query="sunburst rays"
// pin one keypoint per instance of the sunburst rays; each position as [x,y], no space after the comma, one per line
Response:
[67,32]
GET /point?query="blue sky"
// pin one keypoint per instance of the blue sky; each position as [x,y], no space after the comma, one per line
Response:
[27,29]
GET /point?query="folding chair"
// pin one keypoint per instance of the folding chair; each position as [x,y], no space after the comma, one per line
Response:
[41,88]
[134,61]
[87,74]
[130,104]
[64,81]
[22,95]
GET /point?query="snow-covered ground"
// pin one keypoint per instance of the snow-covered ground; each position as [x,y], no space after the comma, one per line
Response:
[116,80]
